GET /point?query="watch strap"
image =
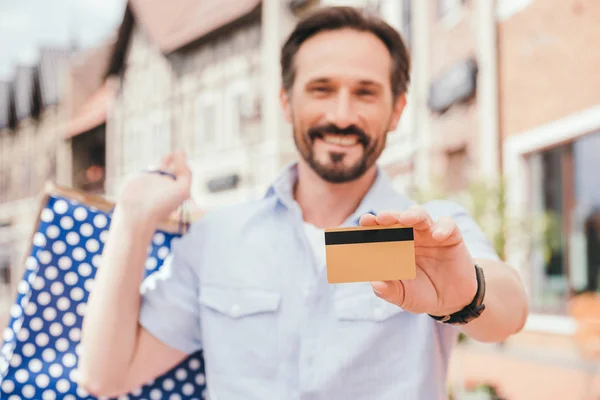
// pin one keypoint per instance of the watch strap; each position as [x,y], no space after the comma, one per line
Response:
[471,311]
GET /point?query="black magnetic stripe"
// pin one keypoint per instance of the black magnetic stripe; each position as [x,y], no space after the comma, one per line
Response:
[369,236]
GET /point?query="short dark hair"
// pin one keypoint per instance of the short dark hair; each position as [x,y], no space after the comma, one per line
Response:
[334,18]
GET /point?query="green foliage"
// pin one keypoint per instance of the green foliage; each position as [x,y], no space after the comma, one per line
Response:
[488,389]
[486,203]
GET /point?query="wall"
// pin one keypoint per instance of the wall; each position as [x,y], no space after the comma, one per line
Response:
[549,62]
[204,99]
[138,120]
[454,134]
[29,154]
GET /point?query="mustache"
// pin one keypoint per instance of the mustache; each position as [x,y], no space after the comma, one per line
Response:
[320,131]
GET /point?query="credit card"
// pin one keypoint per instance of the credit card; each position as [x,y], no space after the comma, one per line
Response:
[370,253]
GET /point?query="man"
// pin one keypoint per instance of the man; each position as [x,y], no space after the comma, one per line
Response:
[248,283]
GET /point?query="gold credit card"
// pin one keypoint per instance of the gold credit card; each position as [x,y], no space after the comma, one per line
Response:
[370,253]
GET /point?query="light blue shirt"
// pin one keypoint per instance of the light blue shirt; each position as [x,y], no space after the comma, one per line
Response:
[243,286]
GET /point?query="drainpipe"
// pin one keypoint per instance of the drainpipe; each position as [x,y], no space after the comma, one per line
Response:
[487,84]
[421,135]
[277,21]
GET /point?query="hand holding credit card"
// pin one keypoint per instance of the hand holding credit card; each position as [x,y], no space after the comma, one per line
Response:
[410,259]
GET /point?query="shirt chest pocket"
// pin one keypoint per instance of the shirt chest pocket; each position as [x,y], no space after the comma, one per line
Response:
[368,325]
[364,307]
[238,303]
[240,329]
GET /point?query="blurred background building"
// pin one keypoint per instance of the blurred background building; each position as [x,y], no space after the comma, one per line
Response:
[503,92]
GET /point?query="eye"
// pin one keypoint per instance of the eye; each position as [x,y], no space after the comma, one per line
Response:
[321,89]
[366,92]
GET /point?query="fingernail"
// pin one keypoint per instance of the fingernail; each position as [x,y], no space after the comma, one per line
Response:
[377,291]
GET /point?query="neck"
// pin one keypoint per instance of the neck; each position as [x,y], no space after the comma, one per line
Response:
[328,205]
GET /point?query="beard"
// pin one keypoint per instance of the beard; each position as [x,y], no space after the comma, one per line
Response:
[335,170]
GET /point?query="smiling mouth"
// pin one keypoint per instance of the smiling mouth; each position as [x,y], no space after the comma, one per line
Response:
[340,140]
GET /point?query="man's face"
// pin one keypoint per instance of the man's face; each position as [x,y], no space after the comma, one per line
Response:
[341,104]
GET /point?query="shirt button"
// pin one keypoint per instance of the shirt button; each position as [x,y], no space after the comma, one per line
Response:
[235,310]
[378,313]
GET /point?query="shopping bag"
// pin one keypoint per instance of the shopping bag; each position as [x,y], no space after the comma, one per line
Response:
[39,353]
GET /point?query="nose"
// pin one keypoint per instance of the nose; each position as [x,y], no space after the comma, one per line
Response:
[343,114]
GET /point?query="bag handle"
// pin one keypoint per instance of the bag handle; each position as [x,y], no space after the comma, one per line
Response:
[184,214]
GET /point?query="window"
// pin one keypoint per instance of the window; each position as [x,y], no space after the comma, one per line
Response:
[449,10]
[27,177]
[159,136]
[457,168]
[238,109]
[563,187]
[207,123]
[89,160]
[507,8]
[4,182]
[407,22]
[125,146]
[50,173]
[132,149]
[5,275]
[373,7]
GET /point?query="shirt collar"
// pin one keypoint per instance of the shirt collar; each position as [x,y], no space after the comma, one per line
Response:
[381,196]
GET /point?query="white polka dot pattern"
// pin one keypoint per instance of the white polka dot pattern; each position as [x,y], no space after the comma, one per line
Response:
[40,349]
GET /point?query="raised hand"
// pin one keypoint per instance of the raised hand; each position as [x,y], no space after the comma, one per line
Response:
[156,196]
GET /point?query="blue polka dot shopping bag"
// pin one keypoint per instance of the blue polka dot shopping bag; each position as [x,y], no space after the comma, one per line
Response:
[39,352]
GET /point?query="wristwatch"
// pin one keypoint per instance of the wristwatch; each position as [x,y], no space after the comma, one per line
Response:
[471,311]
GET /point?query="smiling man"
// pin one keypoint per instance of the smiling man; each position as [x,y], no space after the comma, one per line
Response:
[248,283]
[341,103]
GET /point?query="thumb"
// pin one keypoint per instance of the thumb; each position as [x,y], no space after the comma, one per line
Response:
[390,291]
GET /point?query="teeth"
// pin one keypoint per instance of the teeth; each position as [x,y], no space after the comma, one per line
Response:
[341,140]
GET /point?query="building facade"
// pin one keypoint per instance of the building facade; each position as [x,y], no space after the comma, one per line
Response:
[200,94]
[549,125]
[29,139]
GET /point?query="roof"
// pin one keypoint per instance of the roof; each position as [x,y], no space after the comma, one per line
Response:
[176,23]
[92,113]
[24,86]
[86,74]
[4,104]
[88,92]
[53,66]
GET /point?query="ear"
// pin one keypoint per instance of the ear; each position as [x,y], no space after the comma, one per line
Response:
[397,113]
[286,104]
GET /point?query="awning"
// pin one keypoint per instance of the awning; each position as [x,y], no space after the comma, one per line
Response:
[92,114]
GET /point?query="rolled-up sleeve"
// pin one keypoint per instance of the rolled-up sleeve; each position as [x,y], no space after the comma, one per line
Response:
[475,239]
[169,307]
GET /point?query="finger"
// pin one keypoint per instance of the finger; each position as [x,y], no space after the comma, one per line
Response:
[417,217]
[390,291]
[166,162]
[180,166]
[445,228]
[368,220]
[387,218]
[193,205]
